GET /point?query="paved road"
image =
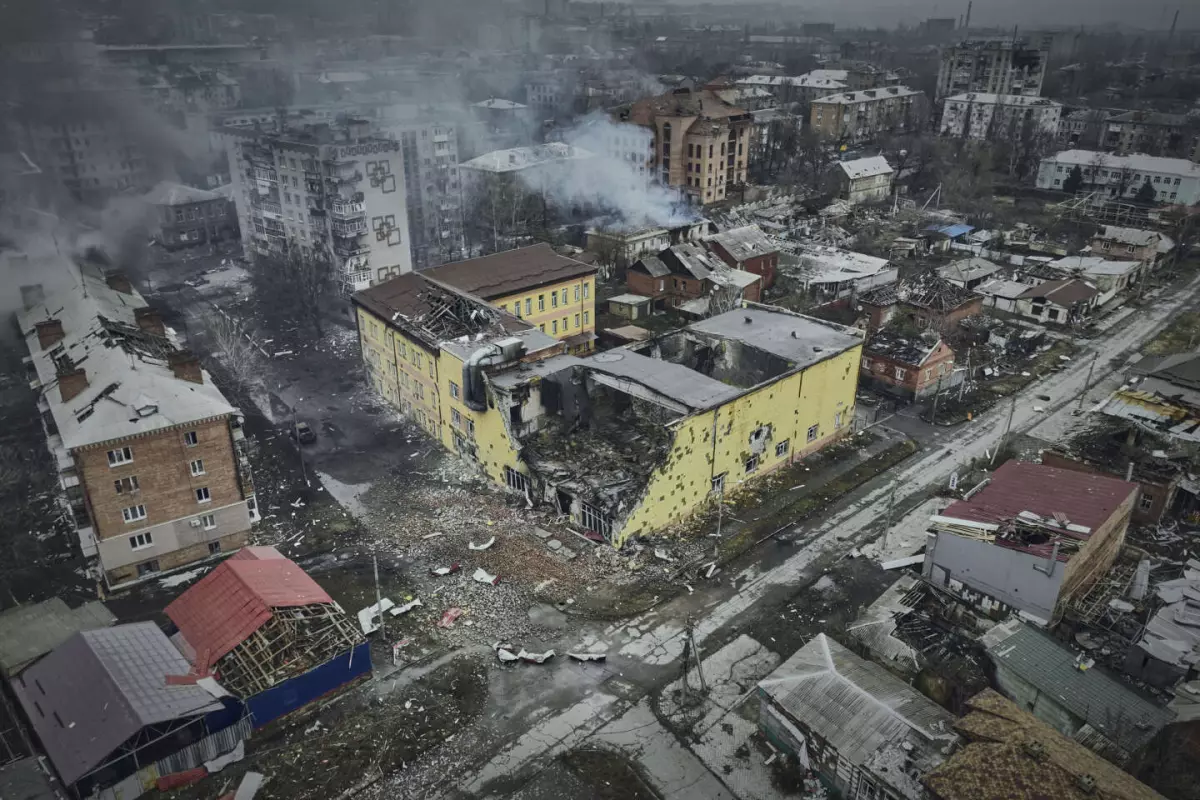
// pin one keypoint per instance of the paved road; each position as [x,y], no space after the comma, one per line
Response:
[654,641]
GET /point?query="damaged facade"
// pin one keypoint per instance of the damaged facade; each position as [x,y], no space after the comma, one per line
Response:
[624,442]
[151,456]
[687,277]
[1016,545]
[908,368]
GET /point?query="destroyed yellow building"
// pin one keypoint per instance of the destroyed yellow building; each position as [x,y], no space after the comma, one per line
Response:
[624,442]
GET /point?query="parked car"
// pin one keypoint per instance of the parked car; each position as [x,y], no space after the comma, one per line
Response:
[303,433]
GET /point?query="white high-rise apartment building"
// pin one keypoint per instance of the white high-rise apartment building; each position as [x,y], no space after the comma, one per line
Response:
[336,188]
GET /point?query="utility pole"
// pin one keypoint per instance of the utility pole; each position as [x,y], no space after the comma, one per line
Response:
[691,651]
[890,508]
[962,387]
[378,598]
[937,394]
[1086,384]
[1007,427]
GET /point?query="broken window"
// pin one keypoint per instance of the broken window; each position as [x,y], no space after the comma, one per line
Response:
[900,373]
[147,567]
[190,439]
[591,519]
[125,485]
[813,432]
[837,420]
[120,456]
[718,483]
[751,464]
[554,299]
[454,392]
[866,364]
[1146,502]
[516,481]
[134,513]
[782,448]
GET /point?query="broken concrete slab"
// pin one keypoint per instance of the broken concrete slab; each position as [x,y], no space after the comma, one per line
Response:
[567,554]
[554,544]
[542,533]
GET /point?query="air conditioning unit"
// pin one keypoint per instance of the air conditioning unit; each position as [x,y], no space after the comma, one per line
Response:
[195,523]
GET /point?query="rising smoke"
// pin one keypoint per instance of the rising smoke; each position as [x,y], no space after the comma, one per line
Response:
[616,183]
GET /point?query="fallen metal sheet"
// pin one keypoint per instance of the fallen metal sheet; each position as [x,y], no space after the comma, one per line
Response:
[483,576]
[449,616]
[210,685]
[588,656]
[368,618]
[506,656]
[535,658]
[483,546]
[251,783]
[903,562]
[222,761]
[441,572]
[407,607]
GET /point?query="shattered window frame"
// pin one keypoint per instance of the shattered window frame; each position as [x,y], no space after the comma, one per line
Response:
[813,432]
[751,464]
[782,448]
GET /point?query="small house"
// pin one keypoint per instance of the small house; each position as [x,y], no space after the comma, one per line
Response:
[865,180]
[747,248]
[1062,302]
[908,368]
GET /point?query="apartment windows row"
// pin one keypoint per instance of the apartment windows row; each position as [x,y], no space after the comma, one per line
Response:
[559,297]
[143,539]
[582,320]
[137,513]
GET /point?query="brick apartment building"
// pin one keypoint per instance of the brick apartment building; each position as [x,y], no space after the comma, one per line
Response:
[700,143]
[188,216]
[747,248]
[150,454]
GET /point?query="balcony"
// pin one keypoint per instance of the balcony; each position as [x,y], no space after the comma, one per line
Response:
[270,210]
[348,211]
[349,228]
[347,249]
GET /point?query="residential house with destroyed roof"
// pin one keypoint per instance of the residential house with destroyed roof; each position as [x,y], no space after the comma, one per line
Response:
[624,442]
[912,368]
[187,216]
[700,144]
[927,300]
[1067,301]
[747,248]
[1131,244]
[1011,755]
[866,732]
[554,292]
[150,454]
[275,638]
[969,273]
[688,277]
[1032,540]
[1110,277]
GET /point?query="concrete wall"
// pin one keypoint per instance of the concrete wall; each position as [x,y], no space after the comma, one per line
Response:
[1006,575]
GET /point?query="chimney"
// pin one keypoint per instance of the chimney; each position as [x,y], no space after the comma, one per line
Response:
[149,320]
[50,332]
[186,366]
[71,382]
[118,281]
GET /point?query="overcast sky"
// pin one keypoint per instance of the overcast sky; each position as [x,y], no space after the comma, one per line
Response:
[1026,13]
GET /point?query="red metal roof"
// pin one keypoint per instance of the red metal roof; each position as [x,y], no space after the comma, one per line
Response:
[1017,486]
[235,599]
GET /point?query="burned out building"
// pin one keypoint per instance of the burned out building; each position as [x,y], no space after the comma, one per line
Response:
[928,300]
[910,368]
[688,277]
[630,441]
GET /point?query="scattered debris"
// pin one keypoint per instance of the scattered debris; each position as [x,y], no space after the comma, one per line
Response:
[482,576]
[369,617]
[588,656]
[407,607]
[483,546]
[451,614]
[661,555]
[251,783]
[443,571]
[433,535]
[535,658]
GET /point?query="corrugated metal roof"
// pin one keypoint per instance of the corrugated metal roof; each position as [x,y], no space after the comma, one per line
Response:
[101,687]
[855,705]
[1017,486]
[1118,712]
[236,598]
[502,274]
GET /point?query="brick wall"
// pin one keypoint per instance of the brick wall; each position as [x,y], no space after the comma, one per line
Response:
[182,557]
[166,487]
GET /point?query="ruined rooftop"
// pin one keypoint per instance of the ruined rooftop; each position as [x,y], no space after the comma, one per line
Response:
[904,350]
[509,272]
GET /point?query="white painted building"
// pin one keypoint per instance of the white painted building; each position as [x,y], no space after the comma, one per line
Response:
[335,189]
[865,180]
[1176,181]
[998,117]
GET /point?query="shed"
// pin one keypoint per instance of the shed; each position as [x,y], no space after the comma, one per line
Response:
[630,306]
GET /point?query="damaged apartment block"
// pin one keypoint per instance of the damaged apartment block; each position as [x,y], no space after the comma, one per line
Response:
[151,456]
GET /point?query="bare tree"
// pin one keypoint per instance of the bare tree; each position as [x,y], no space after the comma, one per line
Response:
[292,286]
[231,346]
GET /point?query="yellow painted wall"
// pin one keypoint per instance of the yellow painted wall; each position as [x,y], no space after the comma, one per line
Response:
[574,315]
[493,448]
[821,397]
[402,371]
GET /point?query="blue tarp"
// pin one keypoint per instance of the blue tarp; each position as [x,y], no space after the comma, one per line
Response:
[303,689]
[951,231]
